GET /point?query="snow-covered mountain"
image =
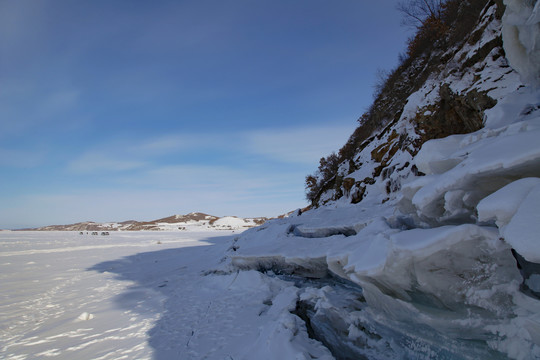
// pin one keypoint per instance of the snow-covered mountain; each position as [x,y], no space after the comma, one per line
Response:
[424,242]
[194,221]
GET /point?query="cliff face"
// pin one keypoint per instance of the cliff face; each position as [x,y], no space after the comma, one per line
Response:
[423,242]
[446,92]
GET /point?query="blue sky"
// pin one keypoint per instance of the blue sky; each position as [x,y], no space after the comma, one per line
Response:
[116,110]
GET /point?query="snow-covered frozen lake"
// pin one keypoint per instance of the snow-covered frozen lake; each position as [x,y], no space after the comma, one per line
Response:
[175,295]
[135,295]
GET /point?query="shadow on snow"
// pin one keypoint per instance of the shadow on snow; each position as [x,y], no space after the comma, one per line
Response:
[167,286]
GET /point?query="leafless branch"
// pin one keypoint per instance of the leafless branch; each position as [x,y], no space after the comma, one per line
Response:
[416,12]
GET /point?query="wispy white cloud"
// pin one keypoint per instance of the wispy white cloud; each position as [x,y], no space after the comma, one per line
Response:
[58,102]
[173,143]
[301,145]
[166,143]
[119,155]
[18,23]
[189,177]
[101,161]
[25,107]
[21,158]
[225,180]
[305,145]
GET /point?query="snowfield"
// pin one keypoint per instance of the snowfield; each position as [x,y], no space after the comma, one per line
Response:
[140,295]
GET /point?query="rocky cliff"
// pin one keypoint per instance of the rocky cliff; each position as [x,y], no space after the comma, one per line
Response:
[440,92]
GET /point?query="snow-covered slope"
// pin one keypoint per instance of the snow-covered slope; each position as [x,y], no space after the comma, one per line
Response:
[194,221]
[437,236]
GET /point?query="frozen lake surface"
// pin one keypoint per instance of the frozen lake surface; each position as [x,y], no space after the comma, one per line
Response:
[136,295]
[176,295]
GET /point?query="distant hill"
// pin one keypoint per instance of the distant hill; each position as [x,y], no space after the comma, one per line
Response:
[190,222]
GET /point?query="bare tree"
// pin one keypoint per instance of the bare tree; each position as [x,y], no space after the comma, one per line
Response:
[416,12]
[381,76]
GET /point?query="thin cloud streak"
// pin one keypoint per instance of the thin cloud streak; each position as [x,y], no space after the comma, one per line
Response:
[299,145]
[21,158]
[204,177]
[102,162]
[305,145]
[173,143]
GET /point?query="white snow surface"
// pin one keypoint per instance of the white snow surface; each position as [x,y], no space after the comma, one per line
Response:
[232,222]
[140,295]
